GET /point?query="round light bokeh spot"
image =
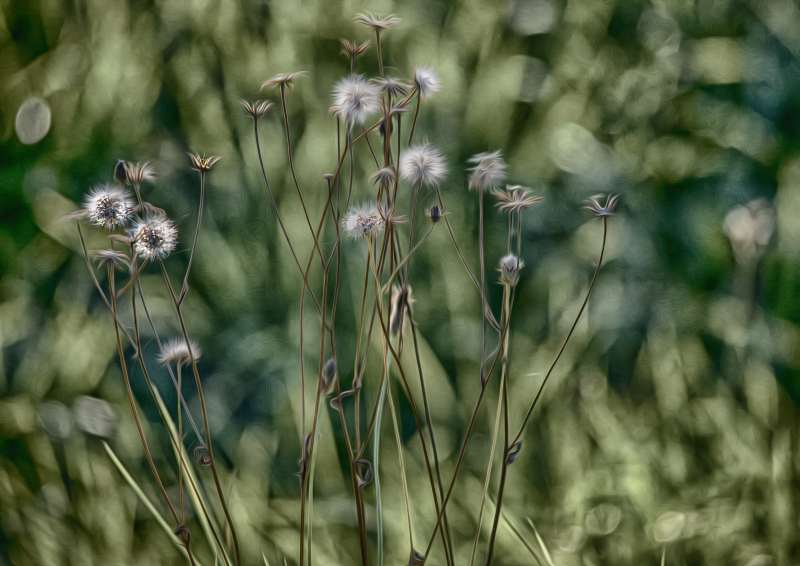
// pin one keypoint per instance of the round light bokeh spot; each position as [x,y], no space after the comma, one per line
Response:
[33,120]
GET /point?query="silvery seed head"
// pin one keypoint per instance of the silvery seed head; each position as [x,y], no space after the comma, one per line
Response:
[488,170]
[509,268]
[423,165]
[176,352]
[355,99]
[108,206]
[427,81]
[154,237]
[363,221]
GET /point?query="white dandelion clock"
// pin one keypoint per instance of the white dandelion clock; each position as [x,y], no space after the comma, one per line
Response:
[109,207]
[363,221]
[154,237]
[423,165]
[355,99]
[427,81]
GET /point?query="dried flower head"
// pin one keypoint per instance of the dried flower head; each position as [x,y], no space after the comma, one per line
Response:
[354,99]
[516,198]
[378,23]
[139,172]
[423,165]
[175,351]
[111,258]
[488,170]
[202,163]
[256,109]
[427,81]
[283,80]
[108,206]
[601,208]
[384,177]
[363,221]
[392,86]
[509,268]
[352,49]
[154,237]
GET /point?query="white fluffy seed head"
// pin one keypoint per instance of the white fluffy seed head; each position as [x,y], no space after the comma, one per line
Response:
[108,206]
[423,165]
[509,268]
[363,221]
[154,237]
[354,99]
[427,81]
[176,352]
[488,170]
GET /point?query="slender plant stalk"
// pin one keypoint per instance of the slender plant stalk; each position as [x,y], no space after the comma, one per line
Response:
[511,443]
[203,412]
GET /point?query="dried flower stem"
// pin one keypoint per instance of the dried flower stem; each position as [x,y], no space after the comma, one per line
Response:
[511,443]
[203,412]
[200,206]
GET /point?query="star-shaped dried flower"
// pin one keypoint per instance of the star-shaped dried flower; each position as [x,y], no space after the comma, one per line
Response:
[203,163]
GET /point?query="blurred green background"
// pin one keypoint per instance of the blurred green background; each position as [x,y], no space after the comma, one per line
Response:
[670,424]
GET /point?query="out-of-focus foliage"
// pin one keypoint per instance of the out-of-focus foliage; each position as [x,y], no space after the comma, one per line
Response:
[672,421]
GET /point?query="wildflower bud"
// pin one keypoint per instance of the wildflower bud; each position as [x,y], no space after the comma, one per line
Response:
[435,213]
[364,472]
[121,172]
[513,452]
[183,534]
[202,456]
[329,376]
[416,558]
[509,268]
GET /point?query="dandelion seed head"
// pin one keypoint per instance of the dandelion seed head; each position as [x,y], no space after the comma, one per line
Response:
[175,352]
[354,99]
[488,170]
[427,81]
[154,237]
[363,221]
[108,206]
[423,165]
